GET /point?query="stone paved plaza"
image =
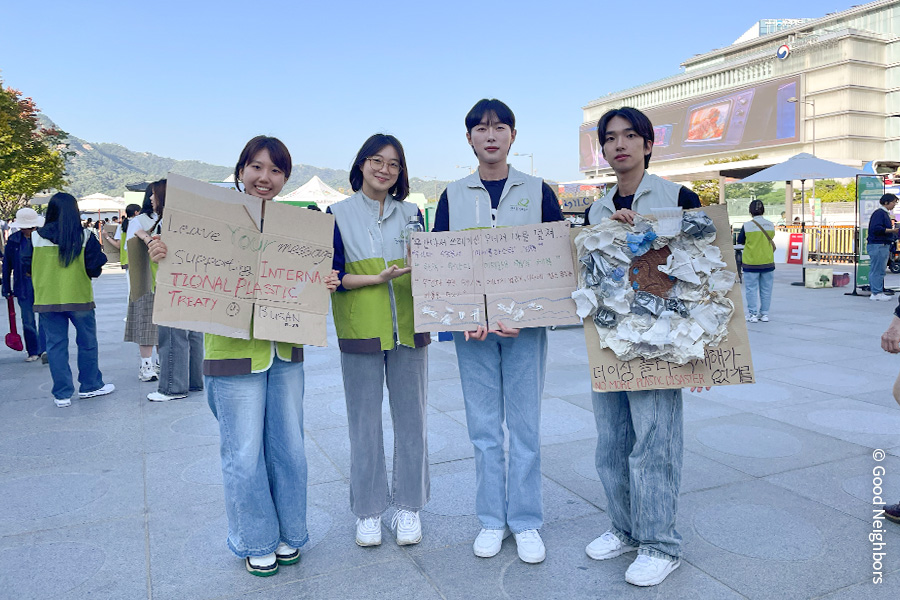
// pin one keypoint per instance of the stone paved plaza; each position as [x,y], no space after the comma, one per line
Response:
[120,498]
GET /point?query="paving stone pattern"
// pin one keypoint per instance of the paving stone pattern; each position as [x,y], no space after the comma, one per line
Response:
[120,498]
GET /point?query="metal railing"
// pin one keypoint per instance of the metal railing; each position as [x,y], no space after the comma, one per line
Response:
[828,244]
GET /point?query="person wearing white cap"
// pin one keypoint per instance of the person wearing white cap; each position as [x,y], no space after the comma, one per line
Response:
[17,283]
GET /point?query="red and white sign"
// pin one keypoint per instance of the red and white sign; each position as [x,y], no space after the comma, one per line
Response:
[795,249]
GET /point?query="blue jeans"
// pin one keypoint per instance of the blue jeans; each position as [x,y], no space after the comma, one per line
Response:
[878,258]
[35,342]
[180,361]
[758,286]
[263,460]
[640,443]
[504,378]
[55,326]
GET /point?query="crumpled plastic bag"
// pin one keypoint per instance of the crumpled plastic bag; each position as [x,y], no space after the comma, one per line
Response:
[678,307]
[645,303]
[605,318]
[640,243]
[585,302]
[697,224]
[680,266]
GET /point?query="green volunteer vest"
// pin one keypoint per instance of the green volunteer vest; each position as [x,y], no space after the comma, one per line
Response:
[58,288]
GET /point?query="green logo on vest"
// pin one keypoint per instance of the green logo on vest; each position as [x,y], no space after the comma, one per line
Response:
[524,202]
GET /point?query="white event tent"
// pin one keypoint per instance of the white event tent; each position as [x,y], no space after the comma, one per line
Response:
[314,190]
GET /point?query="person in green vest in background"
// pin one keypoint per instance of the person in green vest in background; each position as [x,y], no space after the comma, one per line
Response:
[373,316]
[62,260]
[757,235]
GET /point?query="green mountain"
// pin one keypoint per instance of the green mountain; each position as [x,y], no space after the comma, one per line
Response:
[108,167]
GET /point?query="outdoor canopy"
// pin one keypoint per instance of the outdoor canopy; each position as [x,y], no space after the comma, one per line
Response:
[801,167]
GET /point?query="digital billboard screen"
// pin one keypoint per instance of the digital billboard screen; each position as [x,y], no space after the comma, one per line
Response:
[735,120]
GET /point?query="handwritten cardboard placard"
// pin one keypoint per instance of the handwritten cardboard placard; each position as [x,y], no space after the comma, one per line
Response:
[522,276]
[230,272]
[729,363]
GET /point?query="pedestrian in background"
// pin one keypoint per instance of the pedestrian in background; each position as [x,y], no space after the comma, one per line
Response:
[62,259]
[757,236]
[139,326]
[882,234]
[180,350]
[16,282]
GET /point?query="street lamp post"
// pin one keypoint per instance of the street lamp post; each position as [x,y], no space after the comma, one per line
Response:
[812,103]
[531,156]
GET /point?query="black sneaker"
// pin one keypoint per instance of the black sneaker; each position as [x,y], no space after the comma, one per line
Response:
[892,512]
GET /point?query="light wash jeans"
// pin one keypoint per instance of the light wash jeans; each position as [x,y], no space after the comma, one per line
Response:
[35,342]
[640,443]
[504,378]
[55,326]
[758,287]
[878,258]
[263,460]
[407,381]
[180,361]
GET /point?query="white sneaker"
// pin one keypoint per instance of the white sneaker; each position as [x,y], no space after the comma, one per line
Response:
[407,527]
[33,358]
[489,542]
[649,570]
[607,546]
[160,397]
[530,546]
[62,402]
[148,374]
[262,566]
[287,555]
[109,388]
[156,367]
[764,318]
[368,531]
[880,297]
[752,318]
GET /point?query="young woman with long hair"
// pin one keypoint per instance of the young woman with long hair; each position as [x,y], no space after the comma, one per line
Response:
[62,260]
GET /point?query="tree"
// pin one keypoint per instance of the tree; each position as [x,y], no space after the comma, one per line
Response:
[32,158]
[707,189]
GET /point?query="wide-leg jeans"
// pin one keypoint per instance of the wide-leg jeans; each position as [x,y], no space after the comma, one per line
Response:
[406,370]
[640,444]
[503,379]
[263,459]
[180,361]
[758,288]
[35,342]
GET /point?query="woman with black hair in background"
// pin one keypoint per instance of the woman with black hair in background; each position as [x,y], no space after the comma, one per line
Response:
[139,326]
[62,260]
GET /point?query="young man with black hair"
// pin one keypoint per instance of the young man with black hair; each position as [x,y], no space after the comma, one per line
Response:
[502,370]
[639,434]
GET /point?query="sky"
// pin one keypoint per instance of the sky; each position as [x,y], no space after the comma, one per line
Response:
[194,80]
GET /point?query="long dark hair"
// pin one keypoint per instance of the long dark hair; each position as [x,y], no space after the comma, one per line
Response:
[63,210]
[159,190]
[130,212]
[147,204]
[371,147]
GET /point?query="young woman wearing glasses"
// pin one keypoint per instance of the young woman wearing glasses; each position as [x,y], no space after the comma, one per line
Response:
[373,316]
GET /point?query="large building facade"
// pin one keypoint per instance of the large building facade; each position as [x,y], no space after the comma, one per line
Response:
[829,86]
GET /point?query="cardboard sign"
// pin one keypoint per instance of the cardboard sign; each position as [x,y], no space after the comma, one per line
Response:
[522,276]
[230,272]
[111,252]
[728,363]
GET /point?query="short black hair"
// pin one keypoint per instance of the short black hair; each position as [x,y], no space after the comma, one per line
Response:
[887,199]
[757,208]
[278,152]
[371,147]
[487,106]
[639,122]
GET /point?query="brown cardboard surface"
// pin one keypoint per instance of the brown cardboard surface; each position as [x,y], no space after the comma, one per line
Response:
[728,364]
[111,252]
[222,274]
[522,276]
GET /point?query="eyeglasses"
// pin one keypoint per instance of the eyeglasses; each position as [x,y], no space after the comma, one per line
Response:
[378,163]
